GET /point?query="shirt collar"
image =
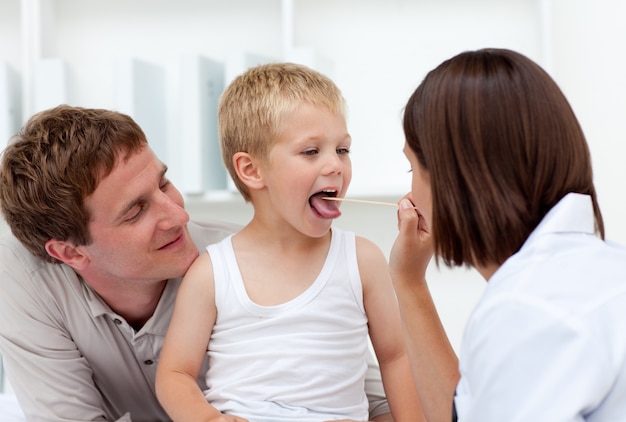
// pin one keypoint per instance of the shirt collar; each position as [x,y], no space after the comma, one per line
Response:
[572,214]
[157,324]
[97,306]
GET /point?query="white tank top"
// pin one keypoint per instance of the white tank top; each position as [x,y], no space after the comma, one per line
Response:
[302,360]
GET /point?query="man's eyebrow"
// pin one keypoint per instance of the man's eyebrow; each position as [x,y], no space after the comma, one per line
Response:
[134,202]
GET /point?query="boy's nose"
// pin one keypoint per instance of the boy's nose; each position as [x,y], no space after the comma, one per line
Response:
[334,164]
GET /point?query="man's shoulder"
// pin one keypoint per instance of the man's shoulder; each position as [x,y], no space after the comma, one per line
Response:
[26,275]
[205,232]
[13,252]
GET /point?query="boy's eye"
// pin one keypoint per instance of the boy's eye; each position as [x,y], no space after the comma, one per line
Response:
[310,152]
[343,151]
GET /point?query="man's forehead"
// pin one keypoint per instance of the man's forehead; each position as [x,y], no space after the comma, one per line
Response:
[132,176]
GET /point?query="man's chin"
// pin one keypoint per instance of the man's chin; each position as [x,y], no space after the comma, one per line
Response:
[175,263]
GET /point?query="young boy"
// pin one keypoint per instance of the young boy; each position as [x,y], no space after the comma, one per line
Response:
[284,306]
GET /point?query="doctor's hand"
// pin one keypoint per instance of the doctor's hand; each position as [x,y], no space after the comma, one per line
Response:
[413,248]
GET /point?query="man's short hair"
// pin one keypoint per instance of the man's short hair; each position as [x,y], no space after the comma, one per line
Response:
[53,164]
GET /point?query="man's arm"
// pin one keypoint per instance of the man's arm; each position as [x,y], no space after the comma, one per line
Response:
[51,379]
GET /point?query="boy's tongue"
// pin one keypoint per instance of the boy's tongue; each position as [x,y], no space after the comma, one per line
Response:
[325,208]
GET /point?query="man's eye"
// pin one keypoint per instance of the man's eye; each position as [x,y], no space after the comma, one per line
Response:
[164,185]
[133,218]
[137,215]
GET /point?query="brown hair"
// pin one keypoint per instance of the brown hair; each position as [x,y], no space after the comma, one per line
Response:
[502,146]
[252,107]
[53,164]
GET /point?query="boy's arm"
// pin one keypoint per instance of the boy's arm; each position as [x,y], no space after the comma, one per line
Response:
[382,418]
[185,346]
[385,330]
[378,406]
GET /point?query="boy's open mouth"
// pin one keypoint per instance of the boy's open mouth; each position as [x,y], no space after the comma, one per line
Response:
[325,209]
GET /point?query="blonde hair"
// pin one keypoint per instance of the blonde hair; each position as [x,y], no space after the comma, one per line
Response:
[252,107]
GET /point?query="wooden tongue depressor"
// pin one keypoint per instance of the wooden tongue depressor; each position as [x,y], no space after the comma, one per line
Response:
[362,201]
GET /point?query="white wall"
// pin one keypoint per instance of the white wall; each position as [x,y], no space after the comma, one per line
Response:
[589,62]
[378,51]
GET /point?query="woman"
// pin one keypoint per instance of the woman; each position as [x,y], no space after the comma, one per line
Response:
[502,182]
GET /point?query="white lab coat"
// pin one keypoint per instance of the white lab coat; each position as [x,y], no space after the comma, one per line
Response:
[547,341]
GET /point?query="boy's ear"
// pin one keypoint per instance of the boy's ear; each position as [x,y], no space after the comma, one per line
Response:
[67,253]
[248,170]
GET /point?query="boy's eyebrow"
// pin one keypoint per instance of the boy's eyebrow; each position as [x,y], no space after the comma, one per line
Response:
[133,203]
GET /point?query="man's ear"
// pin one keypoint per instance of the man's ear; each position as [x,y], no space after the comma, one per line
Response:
[67,253]
[248,170]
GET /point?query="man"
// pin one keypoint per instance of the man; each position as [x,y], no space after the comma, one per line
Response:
[101,239]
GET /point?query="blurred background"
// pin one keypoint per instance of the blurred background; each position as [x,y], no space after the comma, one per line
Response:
[166,62]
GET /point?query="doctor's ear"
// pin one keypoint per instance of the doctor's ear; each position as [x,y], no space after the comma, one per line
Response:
[67,253]
[248,170]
